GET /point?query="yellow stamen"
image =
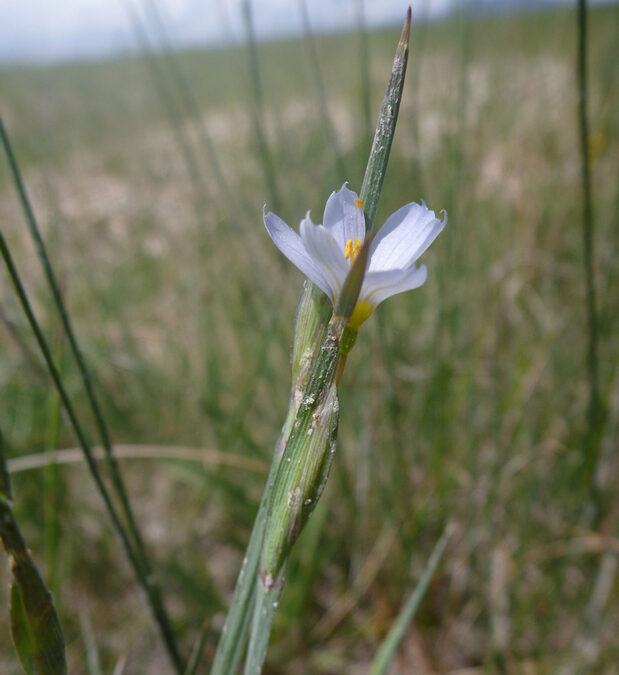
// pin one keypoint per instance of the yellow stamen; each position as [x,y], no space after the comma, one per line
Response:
[359,203]
[352,250]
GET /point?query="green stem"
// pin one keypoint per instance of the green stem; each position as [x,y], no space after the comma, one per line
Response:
[267,600]
[593,414]
[387,650]
[232,640]
[300,465]
[310,328]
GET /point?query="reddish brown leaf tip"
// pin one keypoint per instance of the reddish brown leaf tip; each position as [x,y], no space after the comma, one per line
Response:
[406,29]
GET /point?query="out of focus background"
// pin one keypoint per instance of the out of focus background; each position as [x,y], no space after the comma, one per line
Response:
[150,134]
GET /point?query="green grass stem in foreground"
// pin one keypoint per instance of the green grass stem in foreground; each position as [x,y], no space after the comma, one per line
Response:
[310,328]
[132,536]
[307,445]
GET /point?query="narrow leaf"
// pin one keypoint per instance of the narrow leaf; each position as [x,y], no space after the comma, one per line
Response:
[388,648]
[196,652]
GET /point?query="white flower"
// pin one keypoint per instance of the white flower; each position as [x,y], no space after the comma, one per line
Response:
[325,252]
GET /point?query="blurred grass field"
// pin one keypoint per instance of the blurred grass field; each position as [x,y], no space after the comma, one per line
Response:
[463,402]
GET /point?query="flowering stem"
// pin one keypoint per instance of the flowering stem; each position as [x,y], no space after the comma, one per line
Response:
[310,327]
[305,450]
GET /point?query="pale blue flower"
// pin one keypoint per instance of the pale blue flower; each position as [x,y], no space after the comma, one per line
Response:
[325,252]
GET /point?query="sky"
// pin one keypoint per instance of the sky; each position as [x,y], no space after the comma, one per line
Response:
[53,30]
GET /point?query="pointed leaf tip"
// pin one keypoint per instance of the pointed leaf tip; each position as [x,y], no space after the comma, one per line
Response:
[406,30]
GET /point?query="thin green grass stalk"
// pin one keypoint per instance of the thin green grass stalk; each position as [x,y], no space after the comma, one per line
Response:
[145,581]
[321,94]
[257,109]
[93,661]
[27,353]
[172,112]
[388,648]
[187,96]
[137,543]
[198,648]
[448,271]
[594,435]
[414,78]
[51,490]
[364,64]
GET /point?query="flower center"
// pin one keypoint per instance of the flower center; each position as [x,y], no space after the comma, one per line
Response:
[351,251]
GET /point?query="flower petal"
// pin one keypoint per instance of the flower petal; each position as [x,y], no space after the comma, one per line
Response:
[291,245]
[406,234]
[377,286]
[343,216]
[326,254]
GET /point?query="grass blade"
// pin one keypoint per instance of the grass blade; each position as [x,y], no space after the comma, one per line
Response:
[196,652]
[594,412]
[264,152]
[172,112]
[187,96]
[390,644]
[320,93]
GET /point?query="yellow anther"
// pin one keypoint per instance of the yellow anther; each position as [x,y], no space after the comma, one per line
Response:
[359,203]
[352,250]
